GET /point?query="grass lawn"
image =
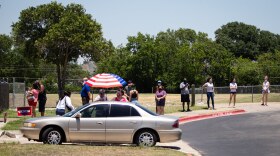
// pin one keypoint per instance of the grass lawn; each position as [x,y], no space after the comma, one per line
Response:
[173,100]
[45,150]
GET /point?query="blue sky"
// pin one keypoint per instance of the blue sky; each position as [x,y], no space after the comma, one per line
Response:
[122,18]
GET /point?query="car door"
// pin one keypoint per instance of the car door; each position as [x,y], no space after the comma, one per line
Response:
[121,123]
[91,126]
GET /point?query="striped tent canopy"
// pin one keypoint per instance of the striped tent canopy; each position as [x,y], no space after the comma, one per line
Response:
[106,80]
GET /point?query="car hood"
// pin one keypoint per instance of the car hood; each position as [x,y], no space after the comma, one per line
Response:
[45,118]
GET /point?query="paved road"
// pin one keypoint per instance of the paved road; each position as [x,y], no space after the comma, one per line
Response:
[255,134]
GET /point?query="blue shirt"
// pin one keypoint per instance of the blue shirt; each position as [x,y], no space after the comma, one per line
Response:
[85,90]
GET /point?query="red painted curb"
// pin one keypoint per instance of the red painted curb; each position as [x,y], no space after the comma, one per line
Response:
[212,115]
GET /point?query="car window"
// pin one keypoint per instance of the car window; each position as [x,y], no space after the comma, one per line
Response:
[95,111]
[134,112]
[123,111]
[146,110]
[69,114]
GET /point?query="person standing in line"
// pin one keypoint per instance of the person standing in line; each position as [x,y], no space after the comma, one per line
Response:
[101,96]
[159,83]
[128,88]
[210,92]
[233,90]
[35,92]
[185,94]
[85,92]
[42,98]
[160,100]
[63,103]
[265,91]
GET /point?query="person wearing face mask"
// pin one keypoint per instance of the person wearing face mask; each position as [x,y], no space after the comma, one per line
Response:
[210,92]
[85,92]
[185,97]
[265,91]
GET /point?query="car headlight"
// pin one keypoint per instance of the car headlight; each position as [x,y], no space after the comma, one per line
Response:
[31,125]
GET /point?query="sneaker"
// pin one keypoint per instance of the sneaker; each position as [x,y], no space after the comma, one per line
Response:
[189,110]
[262,104]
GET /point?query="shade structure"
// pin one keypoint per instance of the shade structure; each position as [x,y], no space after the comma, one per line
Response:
[106,80]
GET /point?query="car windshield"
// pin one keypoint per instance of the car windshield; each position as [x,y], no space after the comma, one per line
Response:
[146,110]
[69,114]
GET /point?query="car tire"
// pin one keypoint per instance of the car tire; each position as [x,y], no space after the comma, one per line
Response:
[146,138]
[52,136]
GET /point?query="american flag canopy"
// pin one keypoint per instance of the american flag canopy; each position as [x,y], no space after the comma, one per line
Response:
[106,80]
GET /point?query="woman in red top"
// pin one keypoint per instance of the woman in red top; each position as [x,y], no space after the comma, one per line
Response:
[119,97]
[33,103]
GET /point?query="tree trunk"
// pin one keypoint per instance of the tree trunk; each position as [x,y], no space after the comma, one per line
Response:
[59,80]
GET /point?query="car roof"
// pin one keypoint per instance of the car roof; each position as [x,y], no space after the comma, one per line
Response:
[112,102]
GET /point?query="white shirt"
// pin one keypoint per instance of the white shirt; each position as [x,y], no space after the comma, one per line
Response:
[233,86]
[98,98]
[209,87]
[65,101]
[266,86]
[184,88]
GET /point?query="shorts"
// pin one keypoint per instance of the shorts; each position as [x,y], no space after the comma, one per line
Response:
[160,102]
[267,91]
[60,112]
[232,92]
[185,97]
[42,104]
[32,103]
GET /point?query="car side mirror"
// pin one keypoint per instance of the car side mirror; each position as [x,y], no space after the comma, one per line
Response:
[78,115]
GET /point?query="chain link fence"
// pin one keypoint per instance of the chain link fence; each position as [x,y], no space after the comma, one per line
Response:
[17,95]
[17,91]
[248,93]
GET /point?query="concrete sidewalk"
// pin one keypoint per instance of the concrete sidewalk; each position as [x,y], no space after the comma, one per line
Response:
[221,110]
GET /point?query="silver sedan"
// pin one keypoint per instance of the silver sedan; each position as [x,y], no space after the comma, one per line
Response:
[104,122]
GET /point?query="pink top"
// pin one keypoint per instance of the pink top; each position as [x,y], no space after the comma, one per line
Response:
[122,99]
[35,94]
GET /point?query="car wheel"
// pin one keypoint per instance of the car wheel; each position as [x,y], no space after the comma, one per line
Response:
[146,138]
[52,136]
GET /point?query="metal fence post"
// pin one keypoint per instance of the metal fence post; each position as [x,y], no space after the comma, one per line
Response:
[4,95]
[252,94]
[193,95]
[14,89]
[24,95]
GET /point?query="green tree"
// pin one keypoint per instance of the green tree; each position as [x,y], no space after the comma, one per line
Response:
[267,42]
[240,39]
[269,65]
[246,71]
[11,62]
[59,35]
[168,46]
